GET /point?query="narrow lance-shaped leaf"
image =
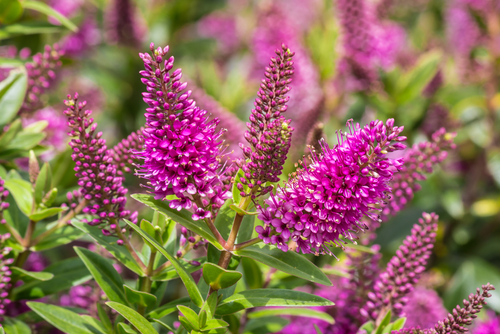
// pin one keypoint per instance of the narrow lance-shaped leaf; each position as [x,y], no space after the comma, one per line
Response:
[63,319]
[137,320]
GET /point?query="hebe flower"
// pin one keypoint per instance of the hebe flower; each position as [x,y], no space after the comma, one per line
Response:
[40,76]
[424,308]
[327,198]
[418,160]
[122,153]
[489,326]
[5,274]
[100,185]
[269,133]
[181,146]
[404,270]
[3,204]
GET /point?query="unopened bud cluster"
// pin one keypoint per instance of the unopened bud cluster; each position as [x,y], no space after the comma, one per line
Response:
[122,153]
[5,274]
[4,205]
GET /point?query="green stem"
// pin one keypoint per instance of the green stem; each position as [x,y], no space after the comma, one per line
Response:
[127,245]
[146,281]
[247,243]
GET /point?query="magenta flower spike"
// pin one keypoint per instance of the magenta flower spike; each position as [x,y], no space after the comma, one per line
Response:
[123,152]
[269,133]
[5,274]
[403,271]
[41,74]
[4,205]
[100,185]
[326,199]
[424,308]
[181,150]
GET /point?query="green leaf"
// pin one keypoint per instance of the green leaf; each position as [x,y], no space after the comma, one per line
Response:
[318,331]
[45,213]
[10,11]
[10,134]
[49,11]
[265,325]
[170,273]
[288,262]
[398,324]
[369,326]
[2,331]
[15,326]
[269,297]
[139,297]
[12,92]
[103,316]
[43,183]
[168,308]
[30,275]
[63,319]
[385,321]
[138,321]
[219,278]
[236,192]
[298,312]
[126,329]
[95,323]
[164,325]
[21,191]
[37,127]
[28,28]
[336,272]
[186,278]
[26,141]
[67,273]
[210,305]
[149,229]
[252,273]
[190,315]
[61,236]
[104,274]
[214,323]
[109,243]
[186,324]
[182,217]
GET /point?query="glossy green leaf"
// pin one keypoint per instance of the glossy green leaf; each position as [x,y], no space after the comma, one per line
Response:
[2,331]
[252,273]
[139,297]
[182,217]
[12,92]
[45,213]
[190,315]
[43,183]
[170,273]
[138,321]
[30,275]
[186,278]
[398,324]
[214,324]
[96,324]
[10,11]
[67,273]
[288,262]
[149,229]
[164,325]
[36,127]
[15,326]
[49,11]
[210,305]
[318,331]
[186,324]
[61,236]
[385,322]
[63,319]
[369,326]
[298,312]
[21,191]
[109,243]
[236,192]
[168,308]
[125,329]
[104,274]
[26,141]
[269,297]
[219,278]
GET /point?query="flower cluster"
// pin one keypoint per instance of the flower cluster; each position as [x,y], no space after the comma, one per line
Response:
[5,274]
[40,76]
[327,198]
[85,296]
[3,204]
[418,160]
[424,308]
[100,185]
[181,146]
[269,133]
[403,271]
[122,153]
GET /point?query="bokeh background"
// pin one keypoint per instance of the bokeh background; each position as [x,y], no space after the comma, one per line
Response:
[426,63]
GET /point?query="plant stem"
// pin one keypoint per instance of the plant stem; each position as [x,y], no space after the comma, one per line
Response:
[14,233]
[186,249]
[210,223]
[247,243]
[146,281]
[62,222]
[127,245]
